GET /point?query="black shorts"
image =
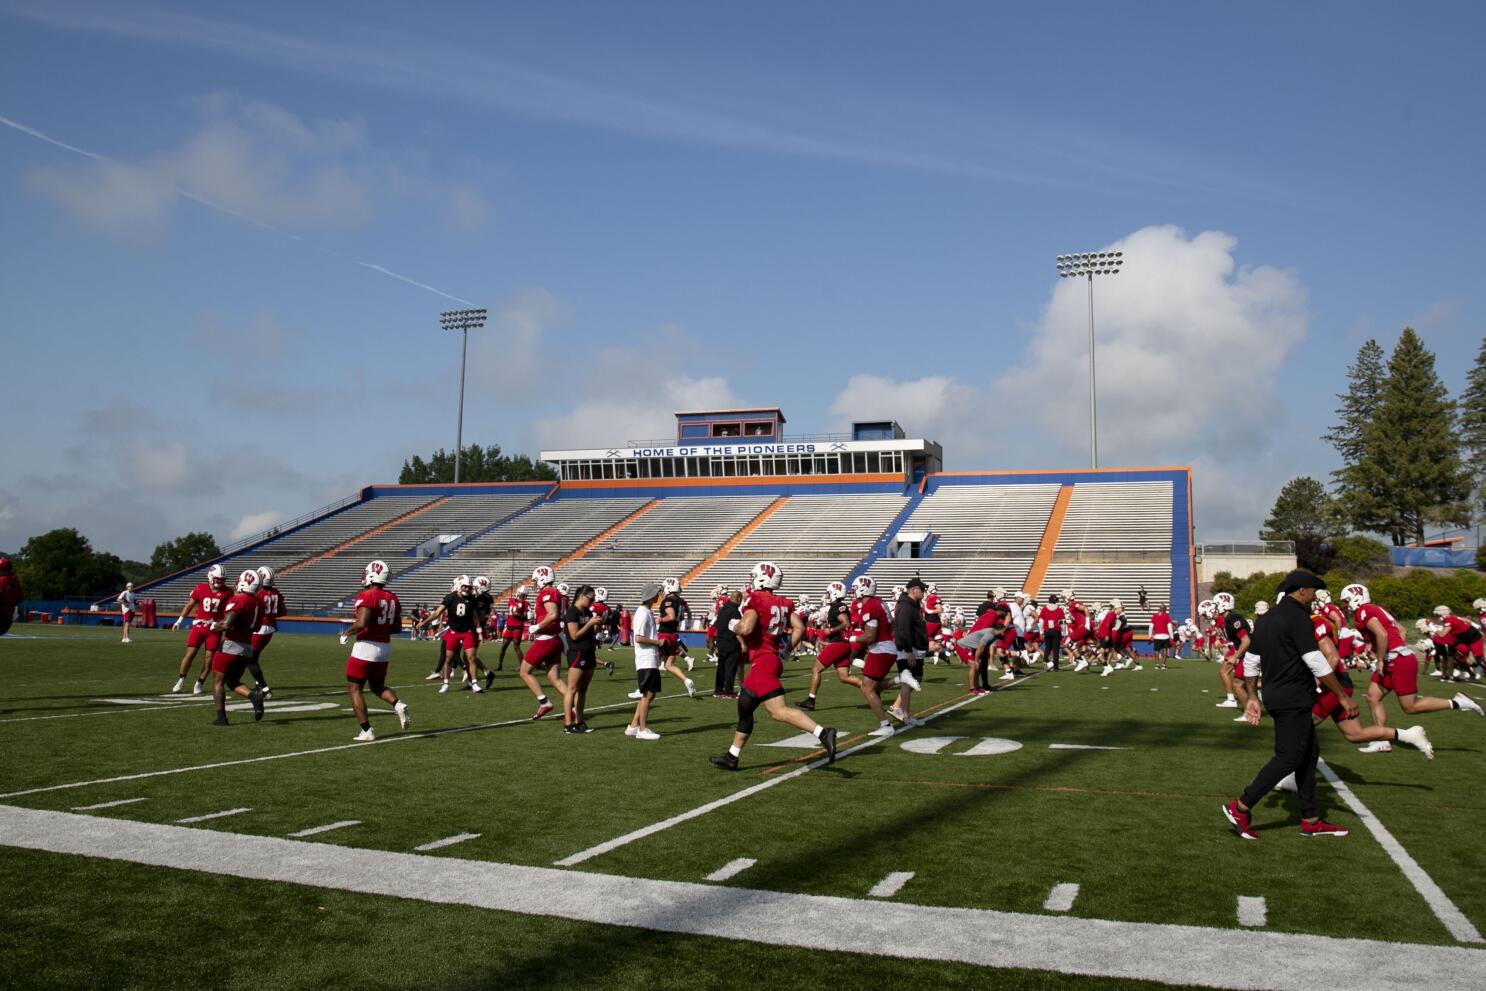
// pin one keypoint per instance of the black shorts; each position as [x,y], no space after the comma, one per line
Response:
[749,699]
[582,661]
[5,622]
[648,680]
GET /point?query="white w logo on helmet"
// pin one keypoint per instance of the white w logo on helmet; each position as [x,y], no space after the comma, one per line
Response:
[766,574]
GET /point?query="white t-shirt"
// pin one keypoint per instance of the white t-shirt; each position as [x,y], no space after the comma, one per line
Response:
[126,599]
[646,655]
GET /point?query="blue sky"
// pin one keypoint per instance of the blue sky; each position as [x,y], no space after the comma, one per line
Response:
[845,210]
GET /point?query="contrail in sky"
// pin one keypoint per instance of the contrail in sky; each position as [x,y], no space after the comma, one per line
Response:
[16,125]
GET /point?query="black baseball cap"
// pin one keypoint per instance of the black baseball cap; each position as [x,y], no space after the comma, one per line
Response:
[916,583]
[1300,578]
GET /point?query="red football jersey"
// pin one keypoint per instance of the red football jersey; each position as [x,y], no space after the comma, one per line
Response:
[541,624]
[211,603]
[1161,624]
[1457,626]
[773,622]
[931,607]
[599,608]
[1051,616]
[1374,611]
[869,609]
[244,610]
[386,614]
[270,607]
[516,609]
[1107,625]
[10,593]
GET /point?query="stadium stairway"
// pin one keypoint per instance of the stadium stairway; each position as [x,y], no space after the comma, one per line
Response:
[353,541]
[880,548]
[733,541]
[1044,557]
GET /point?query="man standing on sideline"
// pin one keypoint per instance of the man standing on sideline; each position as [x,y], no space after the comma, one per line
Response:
[729,650]
[126,601]
[911,639]
[10,595]
[1292,663]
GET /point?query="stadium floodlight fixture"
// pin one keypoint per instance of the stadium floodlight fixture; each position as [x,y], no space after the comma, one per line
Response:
[1089,264]
[463,321]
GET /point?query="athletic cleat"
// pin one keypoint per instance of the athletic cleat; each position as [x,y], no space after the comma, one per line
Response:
[1414,737]
[907,678]
[126,640]
[1227,704]
[367,735]
[1107,669]
[691,688]
[1081,666]
[725,761]
[689,662]
[542,710]
[489,678]
[980,691]
[1239,820]
[475,687]
[609,667]
[196,688]
[267,692]
[886,729]
[1048,666]
[828,740]
[630,731]
[1377,747]
[1240,719]
[403,719]
[434,677]
[1468,704]
[180,685]
[911,722]
[808,704]
[636,694]
[650,734]
[1287,783]
[897,713]
[584,728]
[443,688]
[256,697]
[1322,828]
[221,719]
[1138,667]
[1007,676]
[571,730]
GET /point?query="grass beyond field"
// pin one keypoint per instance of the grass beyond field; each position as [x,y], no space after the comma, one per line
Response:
[974,824]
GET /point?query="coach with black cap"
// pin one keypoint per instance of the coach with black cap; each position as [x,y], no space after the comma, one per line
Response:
[1284,640]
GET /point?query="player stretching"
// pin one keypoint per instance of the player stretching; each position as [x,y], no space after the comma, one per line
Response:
[235,648]
[672,607]
[204,607]
[1237,631]
[378,616]
[517,611]
[836,653]
[546,645]
[766,617]
[1396,668]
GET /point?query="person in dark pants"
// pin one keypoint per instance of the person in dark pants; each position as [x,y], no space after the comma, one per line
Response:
[1292,664]
[729,650]
[911,638]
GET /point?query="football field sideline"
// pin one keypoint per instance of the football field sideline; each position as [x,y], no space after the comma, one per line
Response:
[1172,954]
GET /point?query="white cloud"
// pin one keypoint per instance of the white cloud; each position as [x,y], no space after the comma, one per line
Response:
[514,356]
[255,523]
[937,407]
[467,209]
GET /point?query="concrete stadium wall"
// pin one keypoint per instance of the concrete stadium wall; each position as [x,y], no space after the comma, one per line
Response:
[1242,565]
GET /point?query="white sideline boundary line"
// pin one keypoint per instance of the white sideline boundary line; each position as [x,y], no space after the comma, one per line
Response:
[1444,909]
[151,704]
[730,869]
[426,735]
[738,796]
[1063,944]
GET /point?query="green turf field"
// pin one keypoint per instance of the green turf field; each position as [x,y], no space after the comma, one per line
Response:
[1137,829]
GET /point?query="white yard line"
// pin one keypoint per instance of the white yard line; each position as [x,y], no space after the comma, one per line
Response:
[427,735]
[891,885]
[212,815]
[1058,943]
[152,704]
[1454,920]
[1061,898]
[446,841]
[1252,912]
[316,830]
[108,805]
[730,869]
[1080,746]
[738,796]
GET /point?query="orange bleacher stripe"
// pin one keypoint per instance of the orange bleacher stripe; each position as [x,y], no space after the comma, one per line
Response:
[1044,557]
[733,541]
[332,552]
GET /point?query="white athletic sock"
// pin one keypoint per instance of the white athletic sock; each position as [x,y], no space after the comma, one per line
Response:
[736,751]
[1231,698]
[818,730]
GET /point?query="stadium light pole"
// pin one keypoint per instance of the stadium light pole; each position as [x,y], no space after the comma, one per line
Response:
[463,321]
[1090,264]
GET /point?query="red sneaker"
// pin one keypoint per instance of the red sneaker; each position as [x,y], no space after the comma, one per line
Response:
[542,710]
[1240,820]
[1322,828]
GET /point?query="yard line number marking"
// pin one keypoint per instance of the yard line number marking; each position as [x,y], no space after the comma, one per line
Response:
[730,869]
[1061,898]
[891,885]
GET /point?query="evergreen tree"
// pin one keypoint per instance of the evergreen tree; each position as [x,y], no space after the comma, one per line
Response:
[1306,514]
[1410,471]
[182,552]
[1473,424]
[1359,403]
[478,464]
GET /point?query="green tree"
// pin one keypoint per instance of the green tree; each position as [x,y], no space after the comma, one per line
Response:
[1360,556]
[1410,472]
[477,464]
[1473,424]
[62,563]
[1359,403]
[1306,514]
[183,552]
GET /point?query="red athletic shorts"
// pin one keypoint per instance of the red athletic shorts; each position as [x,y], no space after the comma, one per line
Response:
[201,636]
[544,653]
[260,641]
[512,633]
[711,633]
[834,654]
[1127,638]
[1329,705]
[459,641]
[359,670]
[879,663]
[670,644]
[1400,674]
[129,617]
[232,665]
[933,630]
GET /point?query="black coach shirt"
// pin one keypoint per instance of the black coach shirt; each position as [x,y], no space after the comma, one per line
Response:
[909,632]
[1283,636]
[727,640]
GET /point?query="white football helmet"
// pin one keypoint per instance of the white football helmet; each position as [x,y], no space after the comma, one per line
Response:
[523,591]
[1423,625]
[765,574]
[1206,609]
[265,577]
[375,574]
[930,588]
[1223,601]
[863,587]
[481,585]
[1323,597]
[600,594]
[1116,604]
[1019,594]
[542,576]
[1355,595]
[454,584]
[1442,611]
[671,586]
[1261,607]
[1479,605]
[898,591]
[215,575]
[248,581]
[719,590]
[563,590]
[1067,595]
[462,583]
[835,591]
[999,593]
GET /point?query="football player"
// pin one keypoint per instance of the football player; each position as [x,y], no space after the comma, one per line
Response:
[873,636]
[234,648]
[270,608]
[517,612]
[457,610]
[546,644]
[205,605]
[672,609]
[378,615]
[836,652]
